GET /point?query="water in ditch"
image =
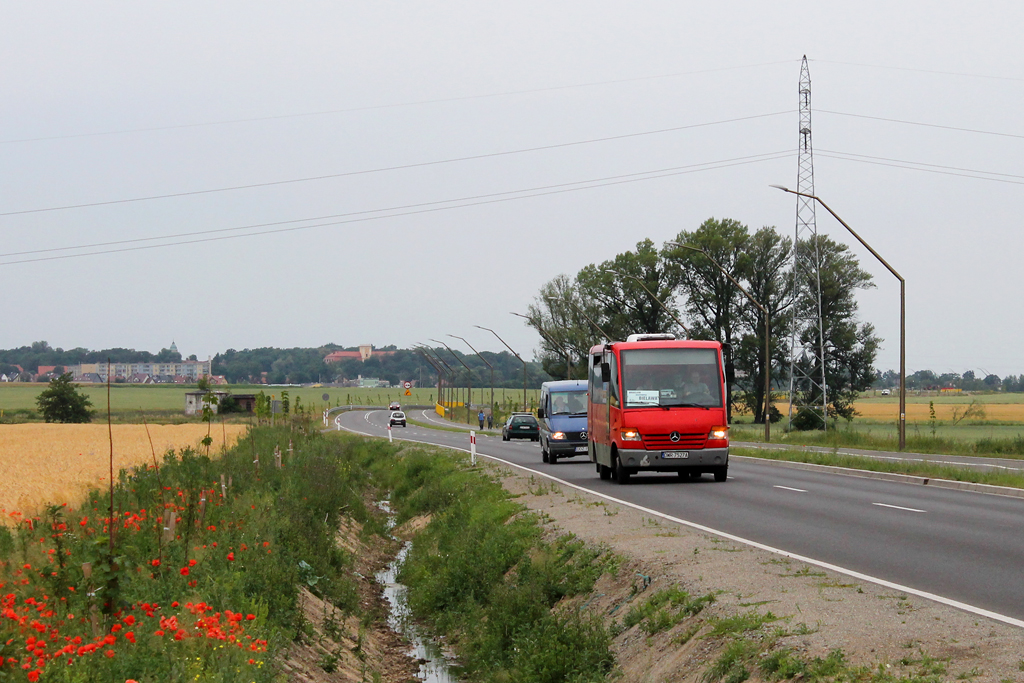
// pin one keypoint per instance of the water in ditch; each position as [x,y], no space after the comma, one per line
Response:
[434,665]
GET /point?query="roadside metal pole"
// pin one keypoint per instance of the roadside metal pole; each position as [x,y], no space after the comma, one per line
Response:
[491,407]
[469,374]
[580,311]
[514,354]
[767,339]
[565,350]
[903,311]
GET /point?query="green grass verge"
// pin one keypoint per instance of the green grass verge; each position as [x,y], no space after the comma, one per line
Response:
[1007,446]
[920,469]
[481,574]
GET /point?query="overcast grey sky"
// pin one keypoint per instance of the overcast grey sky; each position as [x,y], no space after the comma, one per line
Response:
[74,76]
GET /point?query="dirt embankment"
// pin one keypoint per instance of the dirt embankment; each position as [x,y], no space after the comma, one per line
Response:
[338,648]
[813,612]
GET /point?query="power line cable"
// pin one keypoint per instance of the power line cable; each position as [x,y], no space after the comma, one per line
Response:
[924,71]
[921,163]
[919,123]
[383,169]
[927,168]
[395,105]
[426,207]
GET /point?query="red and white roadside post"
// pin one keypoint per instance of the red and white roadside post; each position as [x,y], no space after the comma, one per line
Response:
[472,448]
[390,439]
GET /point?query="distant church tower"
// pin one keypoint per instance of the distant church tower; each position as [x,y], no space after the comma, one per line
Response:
[174,347]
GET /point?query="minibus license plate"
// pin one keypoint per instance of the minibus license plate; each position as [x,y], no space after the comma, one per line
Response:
[675,454]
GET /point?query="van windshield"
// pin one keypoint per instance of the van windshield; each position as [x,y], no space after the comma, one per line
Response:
[569,402]
[671,377]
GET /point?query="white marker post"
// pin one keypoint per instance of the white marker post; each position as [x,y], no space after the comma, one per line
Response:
[390,440]
[472,448]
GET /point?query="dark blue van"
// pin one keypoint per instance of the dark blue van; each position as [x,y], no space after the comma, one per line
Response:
[563,419]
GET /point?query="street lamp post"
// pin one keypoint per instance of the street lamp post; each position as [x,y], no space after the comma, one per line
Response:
[437,369]
[640,282]
[767,339]
[450,373]
[903,311]
[525,407]
[469,374]
[485,363]
[565,350]
[580,311]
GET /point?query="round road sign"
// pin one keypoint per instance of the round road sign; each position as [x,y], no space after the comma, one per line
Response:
[326,397]
[408,385]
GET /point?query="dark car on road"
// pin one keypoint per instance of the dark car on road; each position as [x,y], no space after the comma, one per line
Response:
[520,426]
[397,418]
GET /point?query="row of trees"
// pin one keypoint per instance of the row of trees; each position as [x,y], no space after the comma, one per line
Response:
[303,365]
[968,381]
[621,296]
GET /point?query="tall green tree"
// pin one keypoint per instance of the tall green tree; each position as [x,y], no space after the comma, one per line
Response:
[627,290]
[564,330]
[764,270]
[850,346]
[713,301]
[61,401]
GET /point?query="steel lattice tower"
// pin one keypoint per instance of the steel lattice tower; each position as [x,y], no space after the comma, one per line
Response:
[807,386]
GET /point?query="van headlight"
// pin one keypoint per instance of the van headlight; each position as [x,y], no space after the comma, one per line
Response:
[558,436]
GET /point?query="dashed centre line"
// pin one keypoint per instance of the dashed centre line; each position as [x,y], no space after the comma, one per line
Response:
[898,507]
[790,488]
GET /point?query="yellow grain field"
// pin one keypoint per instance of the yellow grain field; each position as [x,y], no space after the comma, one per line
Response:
[58,463]
[918,412]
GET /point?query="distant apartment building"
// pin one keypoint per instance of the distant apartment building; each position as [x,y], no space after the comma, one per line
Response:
[191,370]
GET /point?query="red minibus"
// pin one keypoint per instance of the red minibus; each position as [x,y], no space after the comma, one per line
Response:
[657,404]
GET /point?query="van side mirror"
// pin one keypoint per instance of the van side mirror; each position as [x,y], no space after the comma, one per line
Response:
[606,372]
[540,412]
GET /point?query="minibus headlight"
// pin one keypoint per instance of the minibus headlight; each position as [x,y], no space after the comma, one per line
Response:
[558,436]
[630,435]
[719,433]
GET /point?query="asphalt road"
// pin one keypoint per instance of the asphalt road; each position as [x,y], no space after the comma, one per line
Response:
[960,547]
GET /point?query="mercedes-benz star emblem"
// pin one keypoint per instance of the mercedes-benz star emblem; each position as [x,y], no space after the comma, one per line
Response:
[583,435]
[674,436]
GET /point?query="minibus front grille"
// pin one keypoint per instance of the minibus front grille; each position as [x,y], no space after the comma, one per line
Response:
[662,442]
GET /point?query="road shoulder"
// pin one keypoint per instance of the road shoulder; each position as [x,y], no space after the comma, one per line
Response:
[821,611]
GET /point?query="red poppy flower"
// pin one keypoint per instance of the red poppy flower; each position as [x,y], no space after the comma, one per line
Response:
[184,571]
[231,557]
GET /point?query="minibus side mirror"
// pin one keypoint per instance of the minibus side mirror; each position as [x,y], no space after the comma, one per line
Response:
[606,372]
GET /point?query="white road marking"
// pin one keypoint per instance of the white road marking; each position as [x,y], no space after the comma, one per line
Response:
[898,507]
[739,539]
[958,463]
[790,488]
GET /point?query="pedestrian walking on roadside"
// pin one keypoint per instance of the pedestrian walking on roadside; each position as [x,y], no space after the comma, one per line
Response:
[490,420]
[480,416]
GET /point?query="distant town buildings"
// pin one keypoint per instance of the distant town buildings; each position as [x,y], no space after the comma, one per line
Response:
[183,372]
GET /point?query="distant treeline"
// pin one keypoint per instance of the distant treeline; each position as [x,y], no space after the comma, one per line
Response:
[968,381]
[299,365]
[304,365]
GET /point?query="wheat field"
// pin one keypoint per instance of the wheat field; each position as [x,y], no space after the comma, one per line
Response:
[58,463]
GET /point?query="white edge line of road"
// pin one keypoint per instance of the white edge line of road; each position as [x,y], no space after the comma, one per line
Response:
[738,539]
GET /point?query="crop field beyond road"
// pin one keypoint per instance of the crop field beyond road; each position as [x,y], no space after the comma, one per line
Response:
[58,463]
